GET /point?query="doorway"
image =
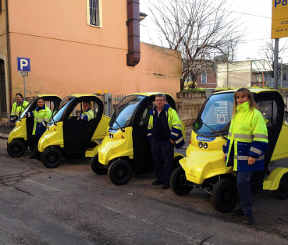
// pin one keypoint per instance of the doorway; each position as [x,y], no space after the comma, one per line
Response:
[3,104]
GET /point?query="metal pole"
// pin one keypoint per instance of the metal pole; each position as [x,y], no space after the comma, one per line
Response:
[24,80]
[281,75]
[276,53]
[227,76]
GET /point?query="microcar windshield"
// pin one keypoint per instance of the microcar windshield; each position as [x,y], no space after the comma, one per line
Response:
[125,111]
[63,106]
[26,110]
[216,115]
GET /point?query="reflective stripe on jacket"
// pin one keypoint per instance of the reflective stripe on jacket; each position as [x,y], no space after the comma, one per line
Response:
[41,115]
[18,109]
[249,137]
[87,115]
[175,125]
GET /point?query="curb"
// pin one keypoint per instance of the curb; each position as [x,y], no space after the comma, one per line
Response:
[3,136]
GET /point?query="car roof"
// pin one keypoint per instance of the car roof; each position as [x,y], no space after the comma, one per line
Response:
[149,93]
[253,90]
[83,95]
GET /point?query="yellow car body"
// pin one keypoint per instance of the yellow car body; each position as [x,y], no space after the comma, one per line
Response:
[63,134]
[204,163]
[19,133]
[120,143]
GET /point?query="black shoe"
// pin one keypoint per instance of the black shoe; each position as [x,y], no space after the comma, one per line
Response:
[156,182]
[165,186]
[238,212]
[249,220]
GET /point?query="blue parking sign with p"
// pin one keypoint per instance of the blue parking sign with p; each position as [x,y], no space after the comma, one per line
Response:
[23,64]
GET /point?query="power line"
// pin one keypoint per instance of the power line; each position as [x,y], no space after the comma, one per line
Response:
[254,15]
[241,12]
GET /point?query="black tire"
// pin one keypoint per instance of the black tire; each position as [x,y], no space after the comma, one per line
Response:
[224,196]
[16,148]
[178,182]
[282,192]
[97,167]
[176,162]
[120,172]
[51,157]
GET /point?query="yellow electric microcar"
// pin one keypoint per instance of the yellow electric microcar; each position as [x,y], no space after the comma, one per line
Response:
[125,150]
[70,136]
[19,138]
[204,164]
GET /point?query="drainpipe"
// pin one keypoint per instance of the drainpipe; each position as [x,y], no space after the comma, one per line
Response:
[133,24]
[8,56]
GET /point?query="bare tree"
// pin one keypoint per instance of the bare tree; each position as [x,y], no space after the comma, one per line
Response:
[200,30]
[268,52]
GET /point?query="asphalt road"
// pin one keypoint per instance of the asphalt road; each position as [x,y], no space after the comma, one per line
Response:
[71,205]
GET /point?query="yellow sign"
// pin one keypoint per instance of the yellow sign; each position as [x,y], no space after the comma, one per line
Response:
[279,18]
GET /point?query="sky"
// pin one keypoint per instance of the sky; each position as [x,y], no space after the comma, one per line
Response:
[254,16]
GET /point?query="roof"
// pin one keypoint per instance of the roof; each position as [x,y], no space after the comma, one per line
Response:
[47,95]
[150,93]
[82,95]
[253,90]
[261,66]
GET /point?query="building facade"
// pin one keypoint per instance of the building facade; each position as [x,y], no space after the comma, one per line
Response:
[79,46]
[248,73]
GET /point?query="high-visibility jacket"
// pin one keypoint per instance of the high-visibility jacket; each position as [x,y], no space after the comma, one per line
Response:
[41,117]
[87,115]
[247,136]
[17,109]
[176,126]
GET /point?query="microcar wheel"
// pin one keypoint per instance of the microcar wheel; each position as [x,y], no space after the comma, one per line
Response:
[16,148]
[178,182]
[51,157]
[282,192]
[120,172]
[97,167]
[224,196]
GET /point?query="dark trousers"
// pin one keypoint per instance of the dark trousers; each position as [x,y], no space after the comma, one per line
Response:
[34,144]
[163,156]
[245,193]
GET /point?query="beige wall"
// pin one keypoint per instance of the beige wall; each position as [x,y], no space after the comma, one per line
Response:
[69,56]
[67,20]
[66,67]
[236,74]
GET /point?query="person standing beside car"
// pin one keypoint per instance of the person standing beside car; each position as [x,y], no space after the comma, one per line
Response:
[41,116]
[164,131]
[246,146]
[18,107]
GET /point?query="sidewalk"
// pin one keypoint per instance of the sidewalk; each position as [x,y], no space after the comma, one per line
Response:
[4,130]
[3,135]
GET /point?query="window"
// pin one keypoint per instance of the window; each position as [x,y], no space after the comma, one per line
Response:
[285,75]
[94,12]
[204,77]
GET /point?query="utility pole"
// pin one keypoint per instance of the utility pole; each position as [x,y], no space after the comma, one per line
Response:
[276,53]
[281,75]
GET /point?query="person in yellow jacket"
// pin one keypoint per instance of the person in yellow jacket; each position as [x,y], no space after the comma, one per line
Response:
[18,107]
[41,115]
[164,131]
[88,113]
[245,149]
